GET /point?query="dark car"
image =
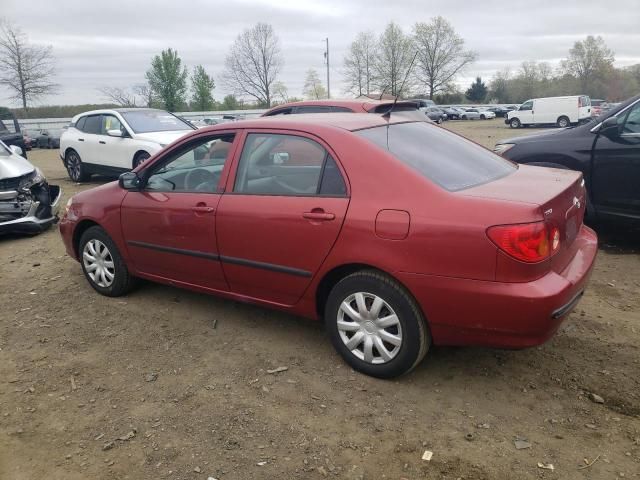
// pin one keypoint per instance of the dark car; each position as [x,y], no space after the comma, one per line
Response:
[452,113]
[436,114]
[49,138]
[397,233]
[500,111]
[606,150]
[10,132]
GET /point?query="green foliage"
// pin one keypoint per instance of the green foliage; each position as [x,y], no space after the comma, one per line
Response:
[58,111]
[313,87]
[168,79]
[230,102]
[201,86]
[477,92]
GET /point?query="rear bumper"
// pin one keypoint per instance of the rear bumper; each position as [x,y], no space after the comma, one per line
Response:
[504,315]
[37,219]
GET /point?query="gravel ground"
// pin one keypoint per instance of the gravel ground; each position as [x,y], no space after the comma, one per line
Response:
[166,383]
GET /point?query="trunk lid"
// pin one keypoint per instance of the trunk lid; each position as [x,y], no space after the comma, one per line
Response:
[559,195]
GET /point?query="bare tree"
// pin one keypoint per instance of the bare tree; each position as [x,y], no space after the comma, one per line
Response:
[441,54]
[143,90]
[25,69]
[359,64]
[313,88]
[396,51]
[253,63]
[120,96]
[279,92]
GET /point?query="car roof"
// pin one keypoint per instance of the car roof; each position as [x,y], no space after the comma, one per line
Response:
[119,110]
[364,103]
[344,121]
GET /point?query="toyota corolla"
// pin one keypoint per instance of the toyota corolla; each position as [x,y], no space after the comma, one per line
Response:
[396,233]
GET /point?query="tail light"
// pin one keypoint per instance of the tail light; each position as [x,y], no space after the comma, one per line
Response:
[527,242]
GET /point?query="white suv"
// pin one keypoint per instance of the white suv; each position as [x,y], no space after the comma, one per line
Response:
[109,142]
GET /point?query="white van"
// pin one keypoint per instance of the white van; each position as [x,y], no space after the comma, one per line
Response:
[561,111]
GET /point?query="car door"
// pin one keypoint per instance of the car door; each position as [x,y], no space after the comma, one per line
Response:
[282,212]
[525,113]
[616,166]
[86,140]
[114,151]
[169,225]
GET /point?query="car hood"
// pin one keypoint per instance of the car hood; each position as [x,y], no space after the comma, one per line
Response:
[14,166]
[536,137]
[162,138]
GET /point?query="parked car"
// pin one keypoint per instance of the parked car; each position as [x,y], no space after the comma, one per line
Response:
[470,114]
[110,142]
[452,113]
[423,103]
[29,141]
[560,111]
[597,105]
[435,114]
[398,233]
[486,114]
[49,138]
[360,105]
[28,204]
[500,111]
[10,133]
[606,151]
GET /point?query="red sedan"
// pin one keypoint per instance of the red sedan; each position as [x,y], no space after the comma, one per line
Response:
[358,105]
[398,234]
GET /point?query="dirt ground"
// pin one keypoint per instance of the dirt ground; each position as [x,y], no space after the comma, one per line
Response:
[169,384]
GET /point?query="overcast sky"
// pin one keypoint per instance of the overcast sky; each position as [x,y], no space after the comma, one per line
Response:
[111,43]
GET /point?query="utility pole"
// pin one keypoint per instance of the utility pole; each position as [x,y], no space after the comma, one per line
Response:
[326,56]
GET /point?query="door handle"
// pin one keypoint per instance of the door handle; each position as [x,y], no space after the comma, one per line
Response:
[81,139]
[319,215]
[102,142]
[203,209]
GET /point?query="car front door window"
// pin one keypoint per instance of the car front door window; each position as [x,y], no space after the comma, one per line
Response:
[631,126]
[195,168]
[527,105]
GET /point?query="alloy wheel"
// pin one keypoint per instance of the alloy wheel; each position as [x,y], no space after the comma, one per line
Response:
[74,166]
[98,263]
[369,328]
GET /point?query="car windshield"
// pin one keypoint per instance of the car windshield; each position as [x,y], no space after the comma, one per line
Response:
[447,159]
[146,121]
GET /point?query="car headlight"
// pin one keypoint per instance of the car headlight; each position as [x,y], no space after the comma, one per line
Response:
[503,147]
[35,178]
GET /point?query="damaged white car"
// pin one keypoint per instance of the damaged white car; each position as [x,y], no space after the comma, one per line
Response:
[28,204]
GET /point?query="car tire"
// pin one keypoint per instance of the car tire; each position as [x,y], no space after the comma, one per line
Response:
[102,263]
[49,144]
[439,121]
[482,117]
[75,168]
[140,158]
[382,350]
[463,117]
[515,123]
[563,122]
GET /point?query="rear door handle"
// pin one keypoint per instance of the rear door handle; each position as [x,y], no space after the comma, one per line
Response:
[202,209]
[81,139]
[102,142]
[318,216]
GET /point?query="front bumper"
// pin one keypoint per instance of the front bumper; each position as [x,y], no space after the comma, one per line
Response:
[39,215]
[504,315]
[506,120]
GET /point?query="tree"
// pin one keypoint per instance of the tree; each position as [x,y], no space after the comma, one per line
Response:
[499,87]
[120,96]
[144,91]
[313,88]
[230,102]
[589,61]
[26,70]
[253,63]
[201,86]
[394,58]
[359,64]
[279,92]
[168,79]
[441,54]
[477,92]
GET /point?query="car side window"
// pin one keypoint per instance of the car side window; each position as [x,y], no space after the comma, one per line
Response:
[632,122]
[282,111]
[80,123]
[93,124]
[342,109]
[287,165]
[194,168]
[527,105]
[110,122]
[313,109]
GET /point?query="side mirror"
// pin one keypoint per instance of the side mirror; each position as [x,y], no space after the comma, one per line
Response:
[16,149]
[610,128]
[129,181]
[115,133]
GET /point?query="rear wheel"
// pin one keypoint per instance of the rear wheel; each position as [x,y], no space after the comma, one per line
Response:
[563,122]
[75,168]
[376,325]
[102,263]
[483,117]
[515,123]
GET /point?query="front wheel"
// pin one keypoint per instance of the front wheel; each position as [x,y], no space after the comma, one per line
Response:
[376,325]
[515,123]
[102,263]
[563,122]
[75,168]
[482,117]
[439,121]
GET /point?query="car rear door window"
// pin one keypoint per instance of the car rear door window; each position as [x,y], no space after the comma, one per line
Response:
[445,158]
[93,124]
[287,165]
[313,109]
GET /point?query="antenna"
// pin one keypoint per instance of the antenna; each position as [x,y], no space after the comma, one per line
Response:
[387,114]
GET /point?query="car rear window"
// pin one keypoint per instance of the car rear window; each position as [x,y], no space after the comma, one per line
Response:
[443,157]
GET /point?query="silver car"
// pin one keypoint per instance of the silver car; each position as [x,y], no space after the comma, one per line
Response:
[28,204]
[470,114]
